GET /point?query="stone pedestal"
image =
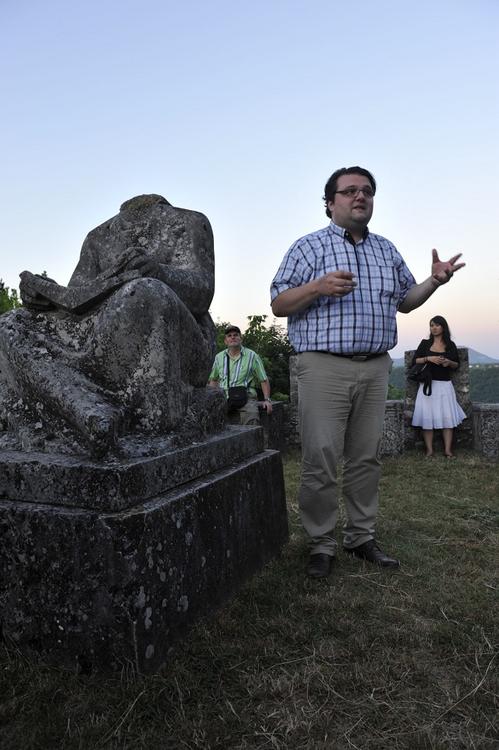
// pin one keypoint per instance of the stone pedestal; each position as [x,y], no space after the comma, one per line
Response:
[107,563]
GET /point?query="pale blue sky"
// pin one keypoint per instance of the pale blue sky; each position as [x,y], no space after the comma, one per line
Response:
[242,111]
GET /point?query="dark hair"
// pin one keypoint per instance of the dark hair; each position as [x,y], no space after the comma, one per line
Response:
[446,330]
[332,183]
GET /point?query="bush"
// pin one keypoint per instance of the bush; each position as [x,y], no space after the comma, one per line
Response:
[8,298]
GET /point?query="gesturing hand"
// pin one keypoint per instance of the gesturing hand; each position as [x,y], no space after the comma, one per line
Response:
[442,271]
[336,284]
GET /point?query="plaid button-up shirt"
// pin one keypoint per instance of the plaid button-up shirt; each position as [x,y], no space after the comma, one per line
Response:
[363,321]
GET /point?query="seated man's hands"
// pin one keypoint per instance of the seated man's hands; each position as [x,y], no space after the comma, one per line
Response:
[147,265]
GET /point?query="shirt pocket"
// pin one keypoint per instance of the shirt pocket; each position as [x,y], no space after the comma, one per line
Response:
[385,280]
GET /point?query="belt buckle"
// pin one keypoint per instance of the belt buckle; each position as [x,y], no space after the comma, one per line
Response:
[359,358]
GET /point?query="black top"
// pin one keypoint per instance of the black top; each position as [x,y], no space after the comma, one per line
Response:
[437,371]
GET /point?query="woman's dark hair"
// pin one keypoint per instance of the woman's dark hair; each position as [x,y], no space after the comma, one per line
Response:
[332,183]
[445,326]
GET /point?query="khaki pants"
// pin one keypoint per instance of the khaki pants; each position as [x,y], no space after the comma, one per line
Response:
[342,407]
[247,415]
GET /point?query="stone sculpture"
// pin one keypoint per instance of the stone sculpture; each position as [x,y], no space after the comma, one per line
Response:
[125,349]
[128,508]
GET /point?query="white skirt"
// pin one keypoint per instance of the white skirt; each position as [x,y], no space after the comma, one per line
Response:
[438,411]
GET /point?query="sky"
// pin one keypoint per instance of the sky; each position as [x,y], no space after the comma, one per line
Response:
[242,111]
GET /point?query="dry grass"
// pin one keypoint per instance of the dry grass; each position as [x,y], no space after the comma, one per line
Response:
[368,659]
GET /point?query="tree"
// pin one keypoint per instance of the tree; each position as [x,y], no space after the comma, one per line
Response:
[484,384]
[8,298]
[220,334]
[394,393]
[272,345]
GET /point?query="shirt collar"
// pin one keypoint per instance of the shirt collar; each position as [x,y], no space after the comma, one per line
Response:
[240,351]
[342,232]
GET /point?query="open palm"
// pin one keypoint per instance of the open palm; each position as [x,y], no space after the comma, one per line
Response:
[441,270]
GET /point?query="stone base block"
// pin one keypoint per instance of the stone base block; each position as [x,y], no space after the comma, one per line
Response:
[115,484]
[99,589]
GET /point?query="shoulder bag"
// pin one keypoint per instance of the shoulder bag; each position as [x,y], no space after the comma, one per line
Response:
[237,395]
[421,374]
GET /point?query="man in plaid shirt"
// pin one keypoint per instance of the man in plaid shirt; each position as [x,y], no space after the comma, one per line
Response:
[340,288]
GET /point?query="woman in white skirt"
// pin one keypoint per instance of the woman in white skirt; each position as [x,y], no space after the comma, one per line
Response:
[440,410]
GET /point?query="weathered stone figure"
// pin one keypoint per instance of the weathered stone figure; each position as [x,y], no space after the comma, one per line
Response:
[125,348]
[117,468]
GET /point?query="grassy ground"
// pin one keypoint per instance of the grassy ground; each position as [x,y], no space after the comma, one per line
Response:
[366,659]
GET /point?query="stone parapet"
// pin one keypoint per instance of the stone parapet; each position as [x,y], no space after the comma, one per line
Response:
[486,429]
[393,438]
[480,429]
[292,414]
[274,426]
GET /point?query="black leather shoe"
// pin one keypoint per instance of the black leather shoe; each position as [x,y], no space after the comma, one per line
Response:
[319,566]
[371,552]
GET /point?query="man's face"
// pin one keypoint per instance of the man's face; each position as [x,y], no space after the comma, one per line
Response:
[352,211]
[233,338]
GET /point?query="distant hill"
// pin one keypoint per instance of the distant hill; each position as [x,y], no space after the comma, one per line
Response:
[476,358]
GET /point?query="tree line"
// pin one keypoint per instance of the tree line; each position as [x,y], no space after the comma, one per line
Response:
[9,299]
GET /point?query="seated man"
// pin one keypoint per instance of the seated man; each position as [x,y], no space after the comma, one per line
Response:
[124,348]
[239,366]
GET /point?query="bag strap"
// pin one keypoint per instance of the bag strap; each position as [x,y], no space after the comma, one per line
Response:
[228,369]
[250,364]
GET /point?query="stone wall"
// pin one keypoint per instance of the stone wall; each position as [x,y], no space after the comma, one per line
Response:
[393,439]
[486,429]
[480,429]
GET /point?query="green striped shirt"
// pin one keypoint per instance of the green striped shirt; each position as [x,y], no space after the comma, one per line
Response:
[247,370]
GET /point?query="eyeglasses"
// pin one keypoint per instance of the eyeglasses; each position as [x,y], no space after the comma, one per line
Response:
[351,192]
